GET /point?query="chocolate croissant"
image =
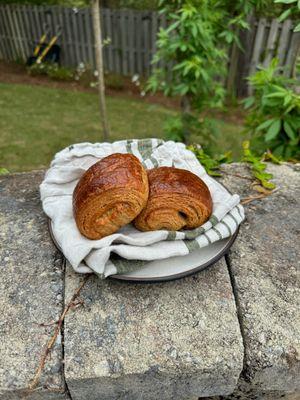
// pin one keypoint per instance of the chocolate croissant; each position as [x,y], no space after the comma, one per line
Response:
[177,199]
[109,195]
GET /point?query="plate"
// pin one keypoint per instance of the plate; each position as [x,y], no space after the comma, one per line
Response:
[174,267]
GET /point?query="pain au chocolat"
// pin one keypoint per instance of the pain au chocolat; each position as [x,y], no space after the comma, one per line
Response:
[178,199]
[109,195]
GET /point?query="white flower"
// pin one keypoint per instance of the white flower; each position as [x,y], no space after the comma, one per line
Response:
[96,73]
[135,78]
[81,65]
[143,93]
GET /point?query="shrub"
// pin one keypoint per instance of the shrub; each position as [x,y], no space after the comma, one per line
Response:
[3,171]
[54,71]
[274,113]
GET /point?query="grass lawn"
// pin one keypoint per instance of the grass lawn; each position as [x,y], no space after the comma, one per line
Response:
[36,122]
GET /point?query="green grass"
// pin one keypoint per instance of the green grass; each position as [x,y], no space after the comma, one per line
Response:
[36,122]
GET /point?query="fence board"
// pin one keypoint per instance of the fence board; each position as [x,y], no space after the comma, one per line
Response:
[104,37]
[32,26]
[271,43]
[131,49]
[23,15]
[4,37]
[89,37]
[292,54]
[284,41]
[36,15]
[4,54]
[123,42]
[146,45]
[139,45]
[163,24]
[257,45]
[69,39]
[109,46]
[84,55]
[154,30]
[19,30]
[10,32]
[117,41]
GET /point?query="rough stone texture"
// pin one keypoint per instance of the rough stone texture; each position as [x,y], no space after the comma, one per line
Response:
[175,340]
[31,291]
[264,263]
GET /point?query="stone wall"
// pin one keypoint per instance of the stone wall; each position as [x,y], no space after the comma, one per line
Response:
[230,332]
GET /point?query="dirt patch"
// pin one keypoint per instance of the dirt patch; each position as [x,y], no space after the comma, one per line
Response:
[17,73]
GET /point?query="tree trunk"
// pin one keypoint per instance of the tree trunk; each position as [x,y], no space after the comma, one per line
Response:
[186,110]
[99,66]
[185,105]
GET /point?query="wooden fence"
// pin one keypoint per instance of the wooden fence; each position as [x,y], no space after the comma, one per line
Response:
[263,41]
[132,35]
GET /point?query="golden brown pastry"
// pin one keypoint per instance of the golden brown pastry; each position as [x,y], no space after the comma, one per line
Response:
[109,195]
[177,199]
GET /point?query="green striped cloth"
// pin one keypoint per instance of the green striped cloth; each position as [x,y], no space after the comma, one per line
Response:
[130,249]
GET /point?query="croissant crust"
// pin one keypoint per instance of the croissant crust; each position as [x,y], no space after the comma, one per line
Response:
[109,195]
[177,199]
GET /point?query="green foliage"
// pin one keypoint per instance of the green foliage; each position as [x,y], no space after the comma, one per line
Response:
[174,130]
[274,113]
[186,127]
[258,167]
[292,10]
[211,164]
[191,44]
[54,71]
[4,171]
[194,50]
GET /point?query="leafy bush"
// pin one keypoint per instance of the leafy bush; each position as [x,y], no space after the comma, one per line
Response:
[193,50]
[274,113]
[3,171]
[189,128]
[258,167]
[54,71]
[211,164]
[190,45]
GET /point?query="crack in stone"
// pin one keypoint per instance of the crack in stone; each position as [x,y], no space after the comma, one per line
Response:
[239,312]
[67,391]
